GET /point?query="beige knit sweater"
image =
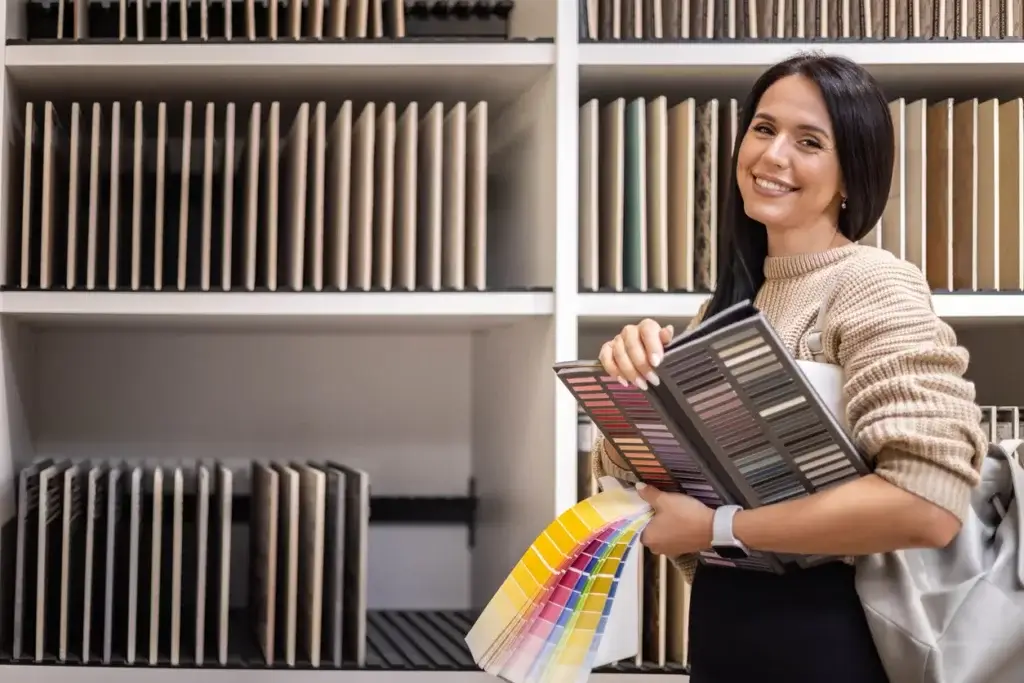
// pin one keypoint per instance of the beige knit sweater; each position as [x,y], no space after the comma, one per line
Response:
[908,406]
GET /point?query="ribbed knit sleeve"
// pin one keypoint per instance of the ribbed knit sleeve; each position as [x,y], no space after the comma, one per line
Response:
[908,405]
[602,466]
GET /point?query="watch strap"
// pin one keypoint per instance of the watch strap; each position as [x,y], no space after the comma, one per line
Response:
[721,526]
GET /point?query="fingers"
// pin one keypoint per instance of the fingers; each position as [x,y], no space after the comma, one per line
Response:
[667,333]
[616,360]
[607,358]
[624,362]
[649,493]
[650,335]
[638,355]
[634,353]
[643,343]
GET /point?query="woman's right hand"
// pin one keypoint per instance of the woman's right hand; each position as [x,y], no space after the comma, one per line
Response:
[633,353]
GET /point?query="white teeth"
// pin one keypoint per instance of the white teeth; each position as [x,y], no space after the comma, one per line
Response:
[769,185]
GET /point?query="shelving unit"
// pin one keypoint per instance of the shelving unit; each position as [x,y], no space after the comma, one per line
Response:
[436,394]
[612,308]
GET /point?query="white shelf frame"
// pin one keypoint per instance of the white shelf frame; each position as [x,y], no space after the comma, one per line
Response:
[575,68]
[1005,55]
[631,307]
[84,57]
[472,308]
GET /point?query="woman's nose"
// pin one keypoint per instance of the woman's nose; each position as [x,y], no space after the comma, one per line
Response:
[777,152]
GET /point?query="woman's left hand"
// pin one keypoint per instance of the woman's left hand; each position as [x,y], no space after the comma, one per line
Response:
[681,524]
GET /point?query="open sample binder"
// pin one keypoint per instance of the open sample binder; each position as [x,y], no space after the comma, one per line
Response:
[735,420]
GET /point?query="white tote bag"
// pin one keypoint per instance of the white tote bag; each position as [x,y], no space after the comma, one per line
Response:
[956,614]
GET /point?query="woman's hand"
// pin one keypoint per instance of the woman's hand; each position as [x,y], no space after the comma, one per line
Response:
[681,524]
[635,351]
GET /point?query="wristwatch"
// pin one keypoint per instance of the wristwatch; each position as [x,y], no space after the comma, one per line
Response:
[723,541]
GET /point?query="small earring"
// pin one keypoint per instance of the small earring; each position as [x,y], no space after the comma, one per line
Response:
[843,205]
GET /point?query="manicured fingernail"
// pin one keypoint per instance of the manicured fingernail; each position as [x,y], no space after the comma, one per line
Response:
[656,360]
[652,378]
[640,382]
[623,382]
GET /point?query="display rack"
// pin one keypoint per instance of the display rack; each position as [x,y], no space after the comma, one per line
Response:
[445,397]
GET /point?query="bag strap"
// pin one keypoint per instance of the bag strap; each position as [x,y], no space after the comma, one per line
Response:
[814,338]
[1010,447]
[1013,461]
[814,343]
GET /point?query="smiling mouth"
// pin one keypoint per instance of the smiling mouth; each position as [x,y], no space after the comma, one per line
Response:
[772,185]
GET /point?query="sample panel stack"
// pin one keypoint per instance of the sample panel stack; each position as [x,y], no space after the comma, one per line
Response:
[955,208]
[122,564]
[873,20]
[261,196]
[1002,422]
[276,20]
[654,173]
[652,177]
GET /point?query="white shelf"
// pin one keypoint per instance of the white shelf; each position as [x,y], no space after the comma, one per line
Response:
[616,308]
[993,307]
[759,55]
[283,54]
[493,71]
[47,674]
[405,310]
[694,65]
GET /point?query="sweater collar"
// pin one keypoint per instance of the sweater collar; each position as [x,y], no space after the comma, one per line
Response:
[781,267]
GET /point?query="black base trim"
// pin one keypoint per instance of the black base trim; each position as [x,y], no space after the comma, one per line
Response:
[397,640]
[282,292]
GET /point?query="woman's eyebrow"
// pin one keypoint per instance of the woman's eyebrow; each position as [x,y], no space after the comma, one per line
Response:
[808,127]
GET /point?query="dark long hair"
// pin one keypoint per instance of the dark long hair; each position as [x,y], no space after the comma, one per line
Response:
[864,142]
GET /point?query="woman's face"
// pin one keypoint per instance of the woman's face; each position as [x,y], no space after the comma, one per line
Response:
[787,168]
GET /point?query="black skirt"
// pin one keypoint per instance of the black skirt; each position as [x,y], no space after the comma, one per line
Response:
[807,626]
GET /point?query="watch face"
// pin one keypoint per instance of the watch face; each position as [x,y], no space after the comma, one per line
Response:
[730,552]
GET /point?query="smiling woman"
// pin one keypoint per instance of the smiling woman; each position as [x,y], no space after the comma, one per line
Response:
[814,166]
[812,172]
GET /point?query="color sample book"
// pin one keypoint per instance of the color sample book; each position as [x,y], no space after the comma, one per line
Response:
[631,423]
[547,620]
[734,420]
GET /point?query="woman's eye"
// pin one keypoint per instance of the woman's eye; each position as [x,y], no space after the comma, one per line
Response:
[762,129]
[812,143]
